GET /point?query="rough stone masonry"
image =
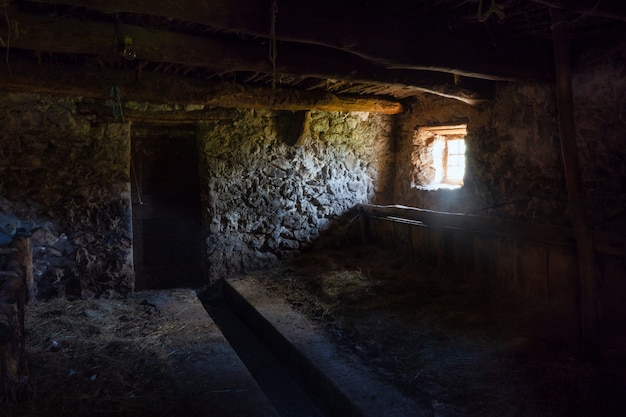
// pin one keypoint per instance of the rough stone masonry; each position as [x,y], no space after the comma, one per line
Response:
[64,179]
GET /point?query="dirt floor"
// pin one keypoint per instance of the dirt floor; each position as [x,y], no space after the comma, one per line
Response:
[457,346]
[138,356]
[453,344]
[82,351]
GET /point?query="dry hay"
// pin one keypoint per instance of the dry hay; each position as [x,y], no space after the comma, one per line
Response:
[100,358]
[457,345]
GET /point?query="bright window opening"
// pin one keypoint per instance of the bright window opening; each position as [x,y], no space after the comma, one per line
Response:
[455,164]
[439,157]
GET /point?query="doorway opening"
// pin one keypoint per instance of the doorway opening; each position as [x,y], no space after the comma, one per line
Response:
[166,208]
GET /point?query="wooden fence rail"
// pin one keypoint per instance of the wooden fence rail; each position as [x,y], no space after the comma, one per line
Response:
[537,261]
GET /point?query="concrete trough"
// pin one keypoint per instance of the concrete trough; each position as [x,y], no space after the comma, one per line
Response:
[344,385]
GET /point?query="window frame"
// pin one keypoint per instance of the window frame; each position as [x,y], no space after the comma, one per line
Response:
[432,143]
[447,179]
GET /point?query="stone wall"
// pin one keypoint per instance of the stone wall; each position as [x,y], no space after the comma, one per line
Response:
[514,168]
[265,198]
[64,181]
[64,177]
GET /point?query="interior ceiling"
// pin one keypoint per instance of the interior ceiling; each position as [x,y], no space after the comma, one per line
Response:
[354,48]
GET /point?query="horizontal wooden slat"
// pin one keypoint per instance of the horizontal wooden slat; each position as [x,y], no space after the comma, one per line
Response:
[605,242]
[506,228]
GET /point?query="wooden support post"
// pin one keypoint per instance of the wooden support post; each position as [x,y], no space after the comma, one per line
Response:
[13,289]
[589,296]
[24,257]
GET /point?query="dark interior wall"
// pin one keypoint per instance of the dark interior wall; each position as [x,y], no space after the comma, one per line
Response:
[599,90]
[65,180]
[264,198]
[515,172]
[514,167]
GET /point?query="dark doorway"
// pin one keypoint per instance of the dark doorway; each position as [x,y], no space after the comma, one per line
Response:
[166,208]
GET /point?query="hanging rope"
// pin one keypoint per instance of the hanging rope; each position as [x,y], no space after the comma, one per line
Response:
[498,9]
[273,52]
[8,44]
[134,173]
[116,104]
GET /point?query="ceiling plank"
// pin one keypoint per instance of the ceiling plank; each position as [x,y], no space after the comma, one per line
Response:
[58,79]
[615,10]
[76,36]
[348,30]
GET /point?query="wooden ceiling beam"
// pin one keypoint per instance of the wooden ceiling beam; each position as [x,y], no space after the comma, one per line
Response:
[76,36]
[348,30]
[58,79]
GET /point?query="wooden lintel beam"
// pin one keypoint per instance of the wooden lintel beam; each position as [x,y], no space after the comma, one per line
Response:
[104,112]
[57,79]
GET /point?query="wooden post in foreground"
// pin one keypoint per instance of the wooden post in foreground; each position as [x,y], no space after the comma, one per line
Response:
[589,296]
[14,285]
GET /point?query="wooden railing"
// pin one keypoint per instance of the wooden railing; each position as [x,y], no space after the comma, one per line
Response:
[537,260]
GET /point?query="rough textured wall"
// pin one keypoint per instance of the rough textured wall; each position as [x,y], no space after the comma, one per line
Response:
[64,180]
[599,89]
[514,168]
[427,159]
[265,198]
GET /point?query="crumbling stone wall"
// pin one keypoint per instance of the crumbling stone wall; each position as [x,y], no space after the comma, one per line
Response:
[265,198]
[64,180]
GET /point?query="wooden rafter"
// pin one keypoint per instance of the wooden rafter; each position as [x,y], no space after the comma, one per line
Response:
[614,10]
[307,23]
[175,89]
[75,36]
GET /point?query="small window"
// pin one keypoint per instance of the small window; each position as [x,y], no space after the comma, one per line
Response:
[455,165]
[439,157]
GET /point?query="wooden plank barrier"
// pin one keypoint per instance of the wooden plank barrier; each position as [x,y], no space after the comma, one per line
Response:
[537,261]
[16,288]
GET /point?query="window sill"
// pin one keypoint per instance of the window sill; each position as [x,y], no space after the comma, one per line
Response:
[440,186]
